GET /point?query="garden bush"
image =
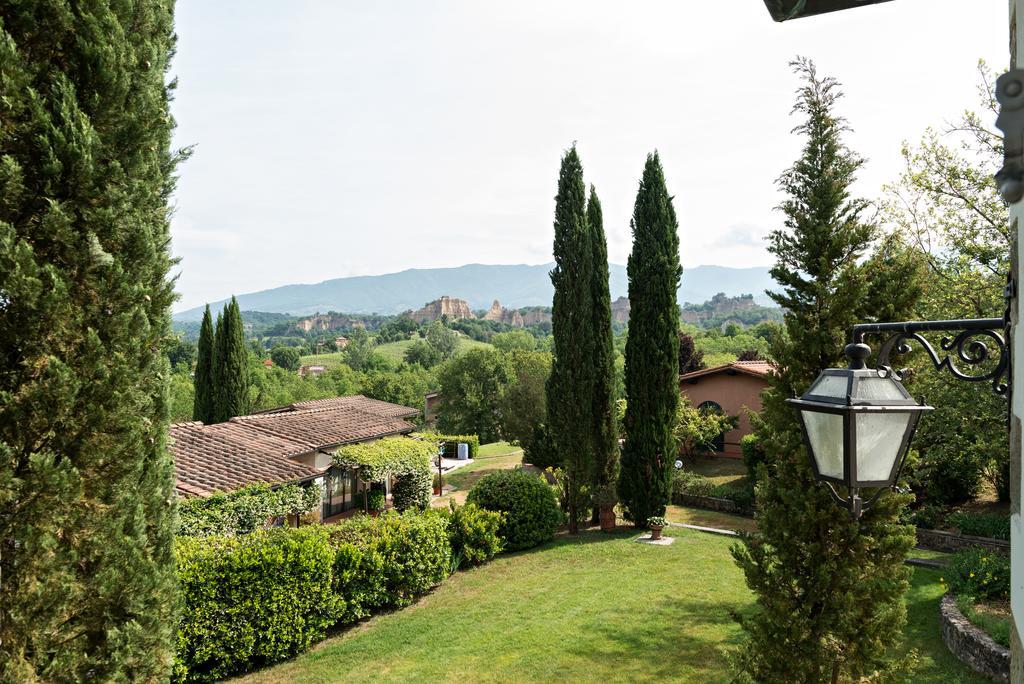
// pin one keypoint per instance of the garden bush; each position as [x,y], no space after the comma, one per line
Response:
[473,533]
[400,556]
[981,524]
[245,510]
[980,573]
[687,482]
[743,497]
[753,456]
[928,516]
[251,600]
[412,491]
[541,451]
[531,511]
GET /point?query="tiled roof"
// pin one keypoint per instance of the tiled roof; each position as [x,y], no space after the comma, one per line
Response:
[260,448]
[758,369]
[361,403]
[325,427]
[226,456]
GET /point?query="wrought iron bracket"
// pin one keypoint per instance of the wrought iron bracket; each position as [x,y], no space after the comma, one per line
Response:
[967,345]
[1010,95]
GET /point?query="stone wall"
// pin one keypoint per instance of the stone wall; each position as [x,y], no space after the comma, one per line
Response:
[972,646]
[711,503]
[950,542]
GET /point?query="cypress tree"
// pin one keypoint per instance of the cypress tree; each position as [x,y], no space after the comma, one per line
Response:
[87,512]
[230,366]
[605,444]
[570,387]
[203,381]
[652,349]
[829,589]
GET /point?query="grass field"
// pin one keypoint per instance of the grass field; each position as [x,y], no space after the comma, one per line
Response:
[392,351]
[589,609]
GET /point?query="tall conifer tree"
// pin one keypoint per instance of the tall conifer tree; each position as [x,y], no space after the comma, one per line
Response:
[230,366]
[88,590]
[203,380]
[606,448]
[570,387]
[829,589]
[652,349]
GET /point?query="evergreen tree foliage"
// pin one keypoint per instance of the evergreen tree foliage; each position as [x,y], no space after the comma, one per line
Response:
[571,385]
[605,442]
[652,349]
[829,588]
[87,512]
[231,371]
[204,394]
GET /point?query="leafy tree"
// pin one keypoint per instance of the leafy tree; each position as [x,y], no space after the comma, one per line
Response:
[690,358]
[204,400]
[513,340]
[829,588]
[407,386]
[652,349]
[750,355]
[86,483]
[524,404]
[180,353]
[359,353]
[472,386]
[231,371]
[696,429]
[286,357]
[443,340]
[422,354]
[571,385]
[603,432]
[947,204]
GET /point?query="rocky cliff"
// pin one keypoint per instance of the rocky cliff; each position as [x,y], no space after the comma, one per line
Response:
[500,314]
[452,308]
[620,310]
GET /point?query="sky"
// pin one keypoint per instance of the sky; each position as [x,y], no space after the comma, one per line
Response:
[340,138]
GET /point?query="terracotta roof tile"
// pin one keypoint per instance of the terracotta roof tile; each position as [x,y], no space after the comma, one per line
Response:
[224,457]
[361,403]
[325,427]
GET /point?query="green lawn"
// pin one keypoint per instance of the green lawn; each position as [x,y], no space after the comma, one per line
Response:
[597,607]
[719,469]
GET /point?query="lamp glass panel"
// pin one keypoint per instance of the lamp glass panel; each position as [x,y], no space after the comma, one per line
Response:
[879,438]
[825,433]
[879,389]
[832,386]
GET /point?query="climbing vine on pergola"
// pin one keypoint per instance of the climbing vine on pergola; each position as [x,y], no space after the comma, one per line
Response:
[405,460]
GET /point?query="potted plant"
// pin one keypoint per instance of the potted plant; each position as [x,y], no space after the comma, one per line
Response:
[375,502]
[657,524]
[605,499]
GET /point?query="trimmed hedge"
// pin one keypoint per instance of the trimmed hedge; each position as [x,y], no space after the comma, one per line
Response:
[688,482]
[251,600]
[449,443]
[474,534]
[531,510]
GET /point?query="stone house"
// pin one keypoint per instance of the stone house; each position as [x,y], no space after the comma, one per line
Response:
[734,388]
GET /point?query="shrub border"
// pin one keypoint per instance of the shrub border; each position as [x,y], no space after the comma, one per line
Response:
[951,542]
[971,645]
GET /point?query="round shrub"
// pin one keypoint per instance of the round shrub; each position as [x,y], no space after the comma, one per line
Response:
[412,491]
[531,511]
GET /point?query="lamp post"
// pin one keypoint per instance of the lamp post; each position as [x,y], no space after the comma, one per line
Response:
[857,425]
[858,421]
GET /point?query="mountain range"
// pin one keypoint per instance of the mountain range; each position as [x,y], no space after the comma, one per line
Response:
[514,285]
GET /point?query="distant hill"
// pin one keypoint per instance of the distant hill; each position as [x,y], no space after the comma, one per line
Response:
[515,286]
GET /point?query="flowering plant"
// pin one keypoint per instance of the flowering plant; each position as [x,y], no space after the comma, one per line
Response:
[656,521]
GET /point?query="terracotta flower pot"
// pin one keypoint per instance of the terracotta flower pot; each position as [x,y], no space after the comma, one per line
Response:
[437,491]
[656,532]
[607,519]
